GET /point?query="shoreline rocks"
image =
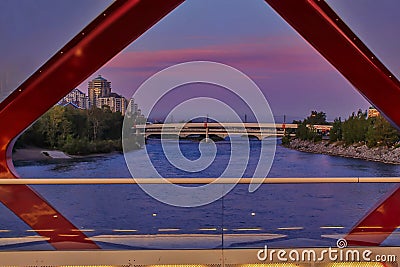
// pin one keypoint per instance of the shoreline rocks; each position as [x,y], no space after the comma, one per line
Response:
[357,151]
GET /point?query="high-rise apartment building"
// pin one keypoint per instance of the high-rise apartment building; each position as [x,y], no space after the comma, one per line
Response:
[77,98]
[100,96]
[132,108]
[114,101]
[98,87]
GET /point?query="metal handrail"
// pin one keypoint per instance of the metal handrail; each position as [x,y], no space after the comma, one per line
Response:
[285,180]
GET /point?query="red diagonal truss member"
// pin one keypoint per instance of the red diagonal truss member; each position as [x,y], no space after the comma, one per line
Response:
[108,35]
[327,33]
[114,29]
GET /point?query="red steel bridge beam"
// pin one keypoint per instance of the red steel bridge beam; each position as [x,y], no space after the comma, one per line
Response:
[118,26]
[313,19]
[329,35]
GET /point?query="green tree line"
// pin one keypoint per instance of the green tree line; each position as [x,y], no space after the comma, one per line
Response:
[373,131]
[357,128]
[76,131]
[305,129]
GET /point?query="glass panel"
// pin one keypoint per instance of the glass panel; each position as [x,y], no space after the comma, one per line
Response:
[292,76]
[376,24]
[16,235]
[124,217]
[121,217]
[32,31]
[314,215]
[248,36]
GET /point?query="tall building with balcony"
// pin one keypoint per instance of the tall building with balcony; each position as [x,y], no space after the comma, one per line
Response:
[132,108]
[133,111]
[77,98]
[100,96]
[98,88]
[115,102]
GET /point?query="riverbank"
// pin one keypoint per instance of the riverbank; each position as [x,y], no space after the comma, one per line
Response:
[38,154]
[35,153]
[357,151]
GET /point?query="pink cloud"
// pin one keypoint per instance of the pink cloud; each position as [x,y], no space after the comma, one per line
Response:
[260,58]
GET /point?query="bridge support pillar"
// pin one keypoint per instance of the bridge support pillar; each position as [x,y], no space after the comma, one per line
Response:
[207,135]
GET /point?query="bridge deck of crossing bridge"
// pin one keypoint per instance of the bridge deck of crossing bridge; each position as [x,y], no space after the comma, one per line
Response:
[259,130]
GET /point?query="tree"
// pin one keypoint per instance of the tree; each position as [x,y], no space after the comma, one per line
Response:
[112,126]
[79,122]
[302,131]
[306,131]
[57,126]
[355,128]
[335,133]
[95,122]
[34,136]
[381,132]
[79,131]
[317,118]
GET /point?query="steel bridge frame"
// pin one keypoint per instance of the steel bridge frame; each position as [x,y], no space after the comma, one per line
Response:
[90,49]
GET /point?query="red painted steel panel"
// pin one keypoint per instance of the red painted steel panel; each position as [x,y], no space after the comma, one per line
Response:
[314,20]
[378,224]
[114,29]
[325,31]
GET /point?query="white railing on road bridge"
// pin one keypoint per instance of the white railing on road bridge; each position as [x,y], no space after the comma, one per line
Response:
[228,125]
[259,130]
[218,125]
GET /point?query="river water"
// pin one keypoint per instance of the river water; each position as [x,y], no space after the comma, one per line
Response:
[287,163]
[291,215]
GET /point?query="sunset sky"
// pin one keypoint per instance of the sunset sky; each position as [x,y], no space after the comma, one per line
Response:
[245,34]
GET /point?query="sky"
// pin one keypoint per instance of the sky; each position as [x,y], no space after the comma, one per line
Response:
[245,34]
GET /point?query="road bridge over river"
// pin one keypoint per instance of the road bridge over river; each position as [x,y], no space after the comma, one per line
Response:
[222,130]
